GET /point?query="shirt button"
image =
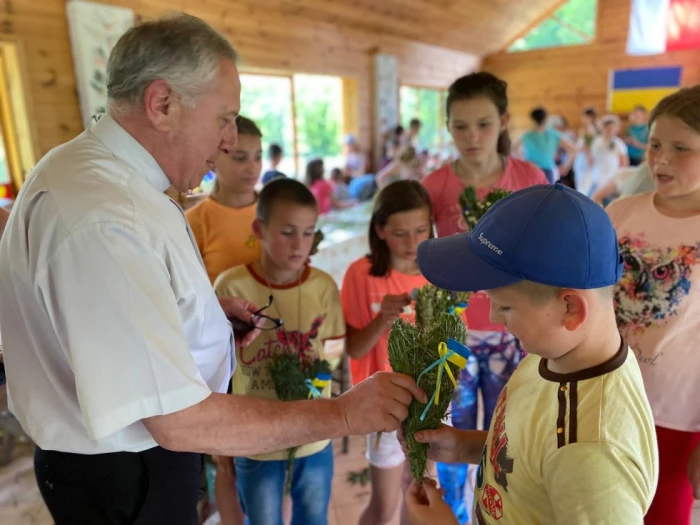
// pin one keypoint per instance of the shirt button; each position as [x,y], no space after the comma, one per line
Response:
[560,430]
[563,388]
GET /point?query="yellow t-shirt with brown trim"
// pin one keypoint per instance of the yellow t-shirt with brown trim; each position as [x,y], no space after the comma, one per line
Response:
[312,315]
[569,449]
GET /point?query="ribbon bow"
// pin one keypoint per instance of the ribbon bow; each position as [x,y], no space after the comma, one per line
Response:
[458,309]
[454,352]
[320,381]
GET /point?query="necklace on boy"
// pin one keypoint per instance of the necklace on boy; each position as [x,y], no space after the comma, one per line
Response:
[276,304]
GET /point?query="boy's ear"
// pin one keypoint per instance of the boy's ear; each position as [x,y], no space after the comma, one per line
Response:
[258,229]
[577,309]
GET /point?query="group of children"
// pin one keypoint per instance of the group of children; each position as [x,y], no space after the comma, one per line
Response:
[572,437]
[593,156]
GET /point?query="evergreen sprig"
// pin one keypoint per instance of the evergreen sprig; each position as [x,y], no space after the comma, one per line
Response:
[289,374]
[318,239]
[432,300]
[474,208]
[412,349]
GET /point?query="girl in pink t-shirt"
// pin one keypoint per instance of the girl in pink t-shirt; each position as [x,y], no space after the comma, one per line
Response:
[320,187]
[658,298]
[477,119]
[375,293]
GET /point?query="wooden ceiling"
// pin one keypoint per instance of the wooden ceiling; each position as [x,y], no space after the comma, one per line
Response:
[480,27]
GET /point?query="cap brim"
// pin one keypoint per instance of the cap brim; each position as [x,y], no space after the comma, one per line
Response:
[451,264]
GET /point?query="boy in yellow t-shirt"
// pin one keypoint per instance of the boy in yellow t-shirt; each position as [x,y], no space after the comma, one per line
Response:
[572,439]
[304,313]
[222,224]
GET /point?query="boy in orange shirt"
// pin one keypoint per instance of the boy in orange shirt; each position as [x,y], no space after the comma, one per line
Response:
[223,223]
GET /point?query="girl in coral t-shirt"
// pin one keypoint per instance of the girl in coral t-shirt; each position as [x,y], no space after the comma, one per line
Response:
[375,293]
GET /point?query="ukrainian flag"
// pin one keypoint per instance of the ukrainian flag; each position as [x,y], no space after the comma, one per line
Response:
[645,87]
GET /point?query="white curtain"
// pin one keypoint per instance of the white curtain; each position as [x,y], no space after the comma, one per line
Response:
[648,26]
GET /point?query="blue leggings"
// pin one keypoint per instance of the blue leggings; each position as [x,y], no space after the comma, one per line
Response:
[495,356]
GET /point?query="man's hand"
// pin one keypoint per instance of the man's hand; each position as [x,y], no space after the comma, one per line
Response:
[425,505]
[380,403]
[243,310]
[694,471]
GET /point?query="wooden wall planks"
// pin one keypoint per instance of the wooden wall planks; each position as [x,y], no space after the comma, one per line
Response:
[567,79]
[266,38]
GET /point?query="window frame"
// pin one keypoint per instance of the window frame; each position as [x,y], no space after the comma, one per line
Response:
[348,93]
[551,14]
[442,92]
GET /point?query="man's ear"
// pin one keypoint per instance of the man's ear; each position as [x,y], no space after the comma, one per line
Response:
[162,105]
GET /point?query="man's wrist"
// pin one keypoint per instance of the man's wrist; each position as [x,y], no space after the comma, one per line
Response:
[338,418]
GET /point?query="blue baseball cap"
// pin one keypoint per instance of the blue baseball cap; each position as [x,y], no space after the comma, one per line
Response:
[548,234]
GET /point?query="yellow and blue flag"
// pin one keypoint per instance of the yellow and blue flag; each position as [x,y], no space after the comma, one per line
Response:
[644,87]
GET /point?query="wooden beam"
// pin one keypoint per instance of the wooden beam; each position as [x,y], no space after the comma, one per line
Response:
[537,21]
[571,28]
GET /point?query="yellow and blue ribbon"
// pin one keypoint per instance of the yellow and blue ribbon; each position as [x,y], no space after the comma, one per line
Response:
[317,384]
[454,352]
[458,309]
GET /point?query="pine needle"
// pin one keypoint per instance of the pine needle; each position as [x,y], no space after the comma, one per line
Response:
[412,349]
[432,300]
[289,374]
[474,208]
[362,477]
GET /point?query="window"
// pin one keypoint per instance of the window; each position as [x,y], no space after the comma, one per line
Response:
[268,101]
[16,148]
[427,105]
[302,113]
[572,24]
[5,179]
[319,113]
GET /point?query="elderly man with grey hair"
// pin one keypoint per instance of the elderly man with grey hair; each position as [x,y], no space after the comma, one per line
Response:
[118,352]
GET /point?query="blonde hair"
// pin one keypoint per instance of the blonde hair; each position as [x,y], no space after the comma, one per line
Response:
[542,293]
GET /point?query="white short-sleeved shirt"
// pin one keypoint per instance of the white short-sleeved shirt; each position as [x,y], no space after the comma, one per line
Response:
[606,157]
[107,313]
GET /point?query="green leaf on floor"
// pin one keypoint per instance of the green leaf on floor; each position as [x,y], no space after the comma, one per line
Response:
[361,477]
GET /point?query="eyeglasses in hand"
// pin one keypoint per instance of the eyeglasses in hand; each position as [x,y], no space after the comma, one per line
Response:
[260,321]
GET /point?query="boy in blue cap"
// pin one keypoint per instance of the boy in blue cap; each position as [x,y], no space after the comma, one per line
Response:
[572,438]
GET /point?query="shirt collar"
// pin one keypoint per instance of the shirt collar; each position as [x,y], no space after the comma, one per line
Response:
[129,150]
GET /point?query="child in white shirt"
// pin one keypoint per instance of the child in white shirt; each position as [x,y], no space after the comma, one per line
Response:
[608,152]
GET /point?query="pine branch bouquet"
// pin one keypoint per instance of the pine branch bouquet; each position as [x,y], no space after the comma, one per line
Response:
[431,300]
[296,379]
[432,352]
[474,208]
